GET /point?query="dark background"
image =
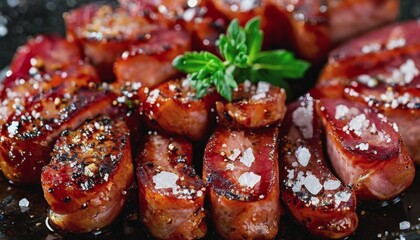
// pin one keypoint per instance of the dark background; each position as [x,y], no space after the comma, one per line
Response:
[22,18]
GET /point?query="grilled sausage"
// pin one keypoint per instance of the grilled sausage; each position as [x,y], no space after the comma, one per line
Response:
[313,195]
[254,106]
[366,150]
[381,70]
[171,194]
[105,33]
[28,135]
[241,170]
[150,62]
[172,107]
[349,17]
[87,180]
[43,53]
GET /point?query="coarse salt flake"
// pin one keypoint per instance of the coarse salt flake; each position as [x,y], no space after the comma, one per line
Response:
[363,146]
[153,95]
[356,124]
[331,184]
[165,179]
[249,179]
[247,157]
[312,184]
[12,128]
[303,155]
[235,153]
[341,111]
[404,225]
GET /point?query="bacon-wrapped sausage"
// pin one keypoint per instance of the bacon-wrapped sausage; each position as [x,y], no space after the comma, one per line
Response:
[172,107]
[105,33]
[314,196]
[241,170]
[366,150]
[171,194]
[28,135]
[150,62]
[381,70]
[254,106]
[87,180]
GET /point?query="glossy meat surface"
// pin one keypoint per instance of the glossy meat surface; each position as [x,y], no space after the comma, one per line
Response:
[172,107]
[28,135]
[241,170]
[105,33]
[150,62]
[43,53]
[87,180]
[171,194]
[318,201]
[381,70]
[366,150]
[254,106]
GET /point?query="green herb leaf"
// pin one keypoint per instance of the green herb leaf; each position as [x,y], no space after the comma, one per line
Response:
[242,60]
[254,38]
[280,62]
[192,62]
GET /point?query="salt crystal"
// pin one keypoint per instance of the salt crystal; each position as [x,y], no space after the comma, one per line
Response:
[367,80]
[249,179]
[394,125]
[165,180]
[247,157]
[12,128]
[331,184]
[373,47]
[404,225]
[24,205]
[303,155]
[363,146]
[153,95]
[357,123]
[395,43]
[235,153]
[312,184]
[314,201]
[230,167]
[341,111]
[290,174]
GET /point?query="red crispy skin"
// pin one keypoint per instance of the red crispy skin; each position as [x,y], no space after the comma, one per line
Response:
[150,62]
[172,107]
[351,17]
[240,212]
[168,214]
[105,33]
[46,53]
[17,94]
[252,109]
[379,171]
[28,135]
[90,170]
[329,213]
[391,76]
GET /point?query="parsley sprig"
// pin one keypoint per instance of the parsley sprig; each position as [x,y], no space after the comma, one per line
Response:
[242,60]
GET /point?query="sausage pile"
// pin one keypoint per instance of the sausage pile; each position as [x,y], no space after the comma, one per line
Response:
[88,115]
